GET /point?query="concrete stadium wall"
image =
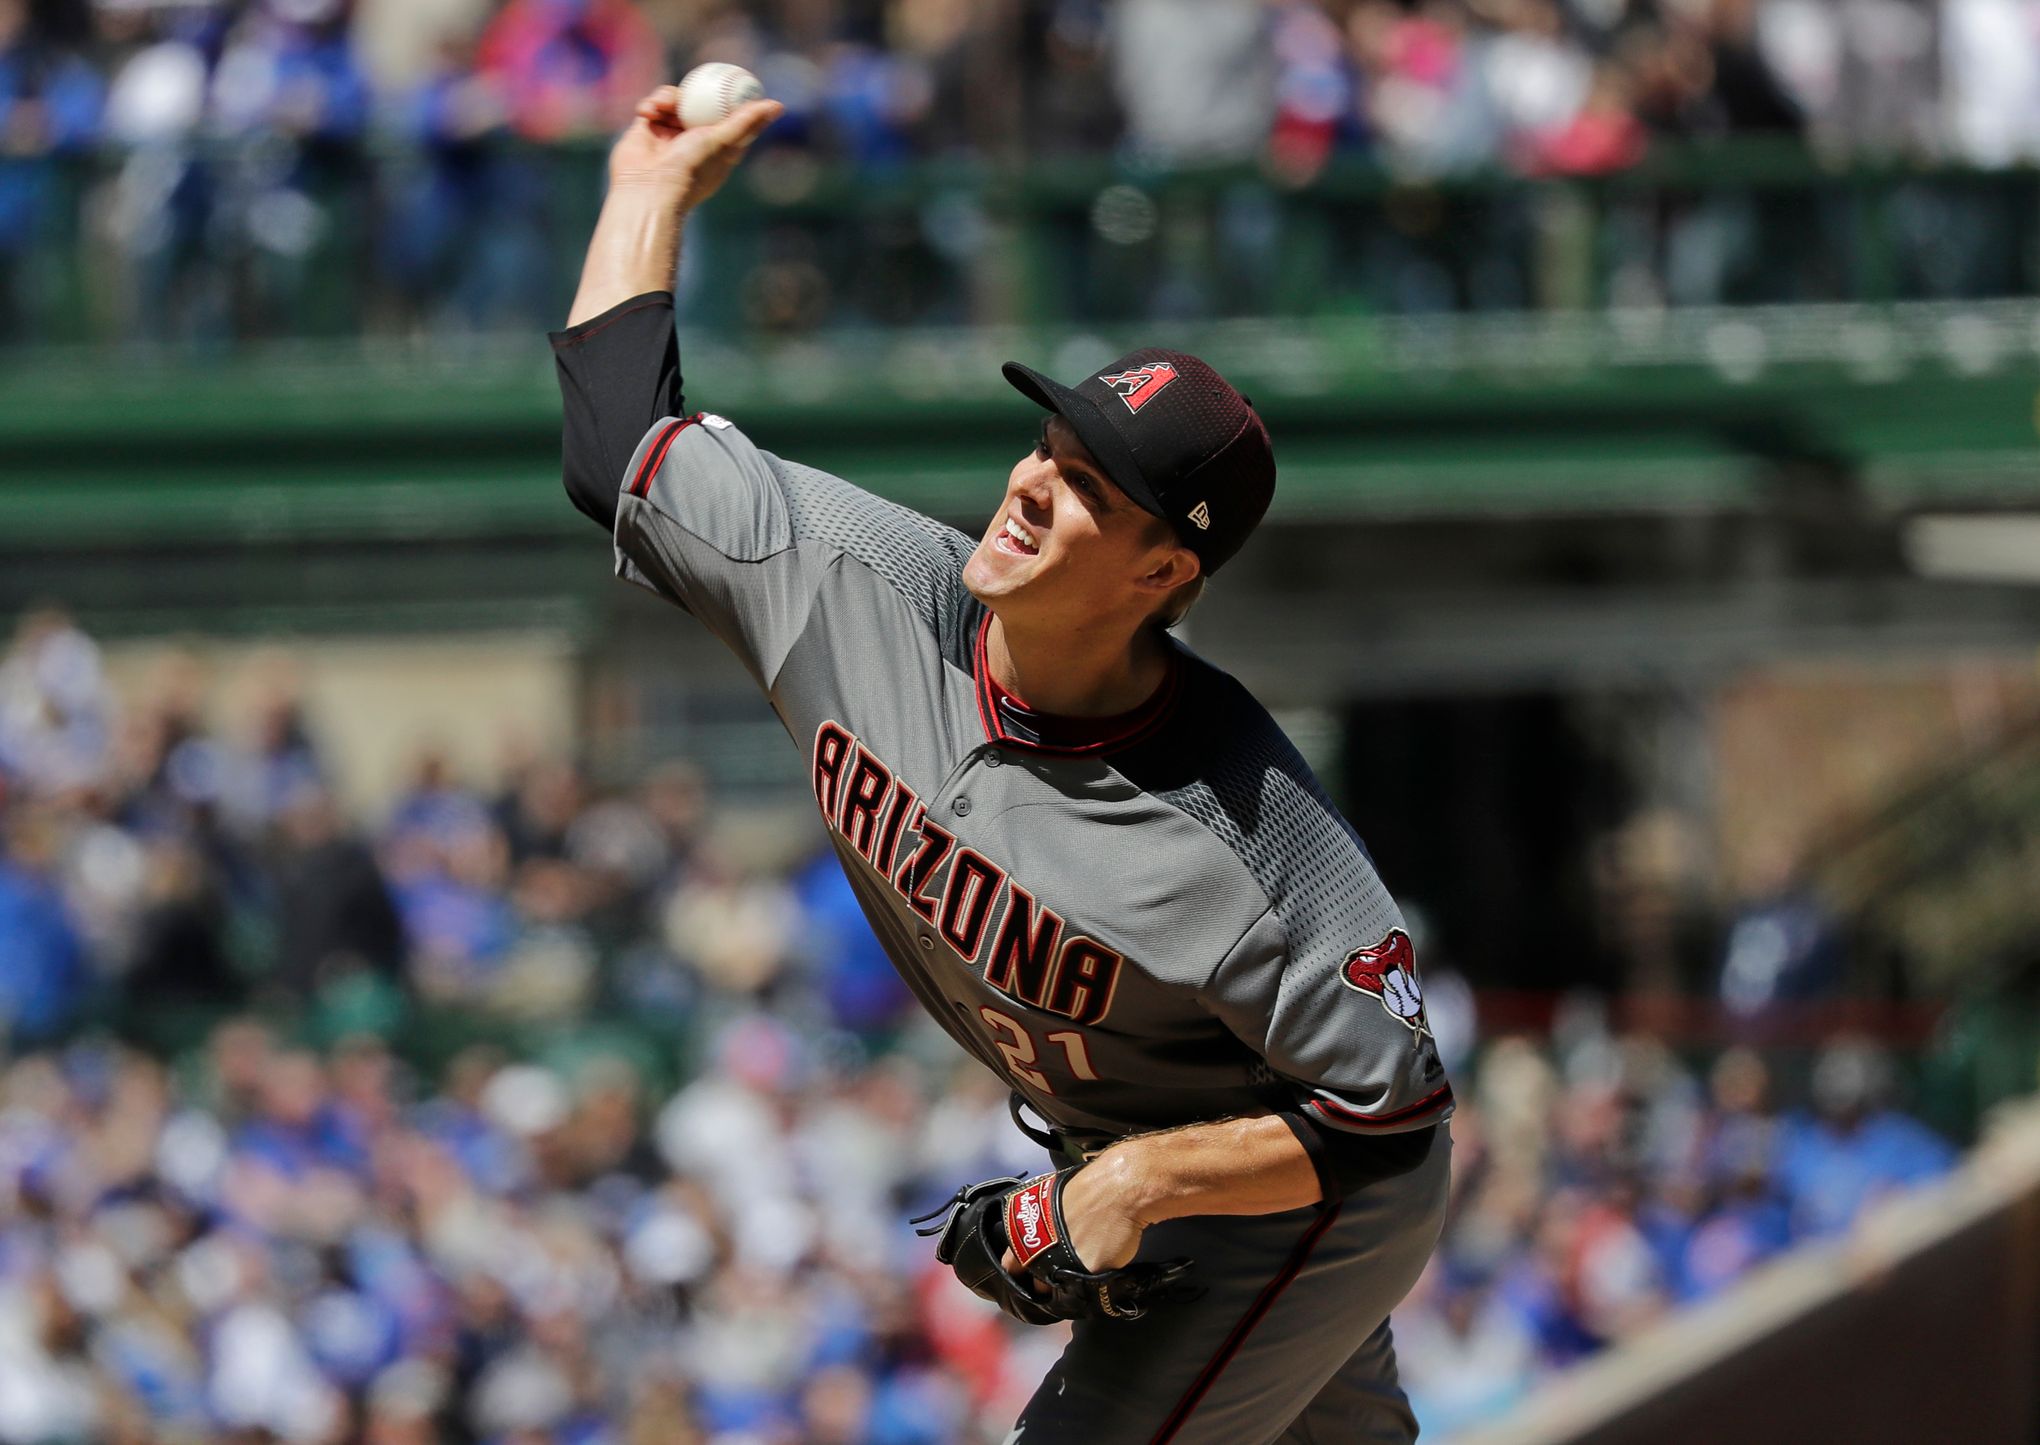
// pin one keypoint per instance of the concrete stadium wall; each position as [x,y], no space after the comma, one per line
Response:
[375,701]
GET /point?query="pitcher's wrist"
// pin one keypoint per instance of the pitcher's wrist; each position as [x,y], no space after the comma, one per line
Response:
[1135,1184]
[655,190]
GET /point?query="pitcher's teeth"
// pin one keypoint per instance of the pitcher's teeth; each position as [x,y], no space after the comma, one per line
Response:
[1021,535]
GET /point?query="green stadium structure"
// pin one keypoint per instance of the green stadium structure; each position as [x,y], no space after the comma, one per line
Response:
[328,449]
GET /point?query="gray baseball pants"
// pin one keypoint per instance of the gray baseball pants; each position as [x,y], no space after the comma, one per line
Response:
[1291,1344]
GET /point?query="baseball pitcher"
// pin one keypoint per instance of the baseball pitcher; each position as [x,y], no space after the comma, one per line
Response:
[1091,854]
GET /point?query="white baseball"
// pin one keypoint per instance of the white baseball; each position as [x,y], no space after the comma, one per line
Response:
[710,92]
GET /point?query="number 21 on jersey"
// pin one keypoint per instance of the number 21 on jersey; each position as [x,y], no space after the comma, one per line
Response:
[1021,1052]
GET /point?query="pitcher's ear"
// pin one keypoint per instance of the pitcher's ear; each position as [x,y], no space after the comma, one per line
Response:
[1176,568]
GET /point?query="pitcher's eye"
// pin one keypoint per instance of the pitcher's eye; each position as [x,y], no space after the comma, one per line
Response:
[1041,443]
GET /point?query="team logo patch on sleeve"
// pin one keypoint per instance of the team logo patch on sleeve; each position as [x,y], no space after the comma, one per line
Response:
[1388,970]
[1139,386]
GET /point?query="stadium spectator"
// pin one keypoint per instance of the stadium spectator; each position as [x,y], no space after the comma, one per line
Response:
[54,709]
[1852,1147]
[1195,78]
[1991,55]
[289,68]
[874,101]
[1070,107]
[1465,1358]
[569,67]
[334,912]
[49,104]
[1601,136]
[1872,76]
[1536,74]
[1782,946]
[278,758]
[170,278]
[288,75]
[1315,106]
[43,979]
[459,246]
[457,913]
[180,952]
[1426,110]
[864,992]
[1743,94]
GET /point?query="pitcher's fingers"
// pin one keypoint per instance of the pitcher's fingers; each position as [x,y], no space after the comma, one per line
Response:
[661,104]
[748,121]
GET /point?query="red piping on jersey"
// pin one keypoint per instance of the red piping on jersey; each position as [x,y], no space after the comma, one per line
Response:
[1143,720]
[641,484]
[1256,1312]
[1332,1109]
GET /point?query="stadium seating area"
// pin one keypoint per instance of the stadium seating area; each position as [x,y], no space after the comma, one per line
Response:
[531,1116]
[1572,85]
[1534,83]
[200,172]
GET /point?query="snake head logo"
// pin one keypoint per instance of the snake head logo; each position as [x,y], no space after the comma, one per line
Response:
[1139,386]
[1388,970]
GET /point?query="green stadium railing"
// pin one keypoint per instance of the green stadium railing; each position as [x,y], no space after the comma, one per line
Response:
[281,244]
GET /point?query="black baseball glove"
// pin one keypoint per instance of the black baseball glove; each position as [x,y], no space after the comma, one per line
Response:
[983,1219]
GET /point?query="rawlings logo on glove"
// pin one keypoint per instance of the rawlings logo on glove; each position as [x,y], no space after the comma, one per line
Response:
[981,1220]
[1029,1227]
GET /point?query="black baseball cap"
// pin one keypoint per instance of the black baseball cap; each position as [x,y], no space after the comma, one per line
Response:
[1173,435]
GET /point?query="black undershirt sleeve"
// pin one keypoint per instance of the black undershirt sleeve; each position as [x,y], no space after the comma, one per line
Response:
[1347,1162]
[619,373]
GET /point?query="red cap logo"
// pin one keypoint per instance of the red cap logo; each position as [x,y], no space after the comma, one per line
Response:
[1388,970]
[1138,387]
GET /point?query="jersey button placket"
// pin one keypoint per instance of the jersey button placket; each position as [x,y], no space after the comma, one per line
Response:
[961,807]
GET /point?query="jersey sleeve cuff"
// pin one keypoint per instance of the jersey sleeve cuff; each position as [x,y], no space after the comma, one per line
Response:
[1313,1145]
[1347,1162]
[1323,1107]
[573,336]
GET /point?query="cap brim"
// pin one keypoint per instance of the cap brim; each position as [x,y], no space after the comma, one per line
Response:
[1099,436]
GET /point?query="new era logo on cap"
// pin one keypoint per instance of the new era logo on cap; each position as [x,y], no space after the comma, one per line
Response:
[1200,517]
[1139,386]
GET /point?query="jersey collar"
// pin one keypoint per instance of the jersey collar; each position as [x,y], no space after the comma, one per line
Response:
[1010,722]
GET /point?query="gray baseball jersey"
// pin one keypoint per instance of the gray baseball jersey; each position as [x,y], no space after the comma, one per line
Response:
[1149,930]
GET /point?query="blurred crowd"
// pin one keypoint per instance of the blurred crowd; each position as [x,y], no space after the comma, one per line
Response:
[156,864]
[549,1116]
[363,135]
[1601,1182]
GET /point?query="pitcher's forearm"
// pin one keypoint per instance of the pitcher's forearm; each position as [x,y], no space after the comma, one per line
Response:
[1235,1166]
[635,248]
